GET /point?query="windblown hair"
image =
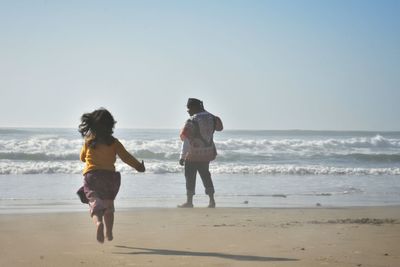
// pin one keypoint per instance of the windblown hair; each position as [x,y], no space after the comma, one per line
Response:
[97,127]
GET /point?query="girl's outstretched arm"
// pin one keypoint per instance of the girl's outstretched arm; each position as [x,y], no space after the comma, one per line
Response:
[128,158]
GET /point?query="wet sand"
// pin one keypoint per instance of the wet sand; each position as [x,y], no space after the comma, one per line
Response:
[366,236]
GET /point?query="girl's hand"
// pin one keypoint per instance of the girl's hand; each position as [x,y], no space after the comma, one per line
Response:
[141,168]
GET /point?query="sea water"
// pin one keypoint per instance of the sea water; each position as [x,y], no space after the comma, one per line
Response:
[40,169]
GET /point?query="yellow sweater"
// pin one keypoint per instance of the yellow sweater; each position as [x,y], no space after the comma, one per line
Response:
[103,157]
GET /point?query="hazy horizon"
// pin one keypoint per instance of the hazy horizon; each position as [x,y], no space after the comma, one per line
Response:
[226,129]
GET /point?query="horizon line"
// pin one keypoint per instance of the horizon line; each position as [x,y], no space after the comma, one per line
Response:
[225,129]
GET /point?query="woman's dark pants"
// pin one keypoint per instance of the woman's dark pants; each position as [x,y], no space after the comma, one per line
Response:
[191,169]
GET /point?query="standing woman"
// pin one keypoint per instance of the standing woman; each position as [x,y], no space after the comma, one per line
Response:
[101,181]
[198,149]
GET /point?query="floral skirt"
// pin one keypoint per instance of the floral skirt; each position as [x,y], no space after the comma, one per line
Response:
[100,187]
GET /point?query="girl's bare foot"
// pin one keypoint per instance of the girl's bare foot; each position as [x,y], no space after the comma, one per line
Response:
[100,232]
[109,236]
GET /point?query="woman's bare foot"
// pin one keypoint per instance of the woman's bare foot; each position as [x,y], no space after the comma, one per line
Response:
[100,232]
[186,205]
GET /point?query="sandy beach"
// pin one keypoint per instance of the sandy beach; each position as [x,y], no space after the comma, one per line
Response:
[365,236]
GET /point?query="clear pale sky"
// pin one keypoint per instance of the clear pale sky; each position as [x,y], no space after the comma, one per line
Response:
[321,65]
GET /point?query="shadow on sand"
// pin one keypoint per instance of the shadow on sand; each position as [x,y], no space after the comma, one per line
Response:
[168,252]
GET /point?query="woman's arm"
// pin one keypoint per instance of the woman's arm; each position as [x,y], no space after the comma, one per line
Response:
[218,124]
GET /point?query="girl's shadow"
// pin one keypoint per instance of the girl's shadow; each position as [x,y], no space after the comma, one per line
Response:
[168,252]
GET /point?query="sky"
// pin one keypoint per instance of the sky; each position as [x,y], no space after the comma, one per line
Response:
[273,65]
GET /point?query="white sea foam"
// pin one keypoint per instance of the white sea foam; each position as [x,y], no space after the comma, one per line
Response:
[75,167]
[47,146]
[301,170]
[35,148]
[292,153]
[310,146]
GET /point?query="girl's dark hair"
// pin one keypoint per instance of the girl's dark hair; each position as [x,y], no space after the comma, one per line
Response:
[97,127]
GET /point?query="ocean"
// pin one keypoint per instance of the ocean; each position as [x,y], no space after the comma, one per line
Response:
[40,169]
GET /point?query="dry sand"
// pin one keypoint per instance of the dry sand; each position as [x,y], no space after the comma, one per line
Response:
[368,236]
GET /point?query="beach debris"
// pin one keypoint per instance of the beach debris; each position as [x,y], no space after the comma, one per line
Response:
[386,254]
[224,225]
[324,194]
[279,195]
[289,224]
[358,221]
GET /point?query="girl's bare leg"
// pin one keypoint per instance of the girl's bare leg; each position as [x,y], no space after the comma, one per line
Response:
[109,218]
[109,222]
[98,220]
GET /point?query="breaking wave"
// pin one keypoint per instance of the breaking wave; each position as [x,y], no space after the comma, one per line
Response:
[75,167]
[376,148]
[27,152]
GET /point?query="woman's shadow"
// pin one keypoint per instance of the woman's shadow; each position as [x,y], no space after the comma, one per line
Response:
[168,252]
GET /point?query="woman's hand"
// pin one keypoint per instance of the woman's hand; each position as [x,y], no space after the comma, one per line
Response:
[141,168]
